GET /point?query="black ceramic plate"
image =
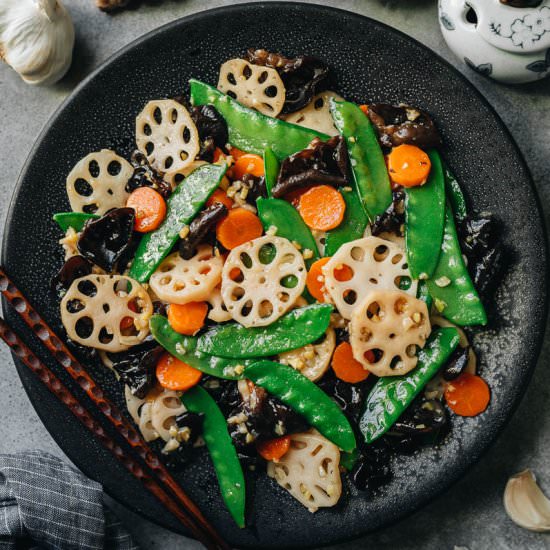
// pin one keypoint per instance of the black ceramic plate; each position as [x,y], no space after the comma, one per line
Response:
[371,62]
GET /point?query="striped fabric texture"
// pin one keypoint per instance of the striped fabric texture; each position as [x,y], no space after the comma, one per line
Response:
[47,504]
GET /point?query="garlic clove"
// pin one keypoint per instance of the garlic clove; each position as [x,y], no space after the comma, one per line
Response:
[36,39]
[526,504]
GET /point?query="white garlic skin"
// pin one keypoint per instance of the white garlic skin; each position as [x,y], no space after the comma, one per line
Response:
[526,504]
[36,39]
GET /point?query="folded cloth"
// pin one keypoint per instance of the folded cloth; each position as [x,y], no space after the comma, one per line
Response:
[55,506]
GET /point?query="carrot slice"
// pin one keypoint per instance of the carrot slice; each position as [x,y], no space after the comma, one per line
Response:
[274,449]
[408,165]
[315,280]
[187,318]
[238,227]
[150,209]
[218,154]
[248,164]
[236,153]
[322,207]
[345,366]
[174,374]
[364,108]
[467,395]
[219,195]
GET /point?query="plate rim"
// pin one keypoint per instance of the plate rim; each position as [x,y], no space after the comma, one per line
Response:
[458,472]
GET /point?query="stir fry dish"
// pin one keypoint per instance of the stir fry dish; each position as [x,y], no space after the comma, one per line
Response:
[280,275]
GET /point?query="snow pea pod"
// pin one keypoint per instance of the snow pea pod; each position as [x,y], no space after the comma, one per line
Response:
[185,349]
[391,395]
[451,288]
[271,169]
[290,225]
[251,131]
[224,456]
[76,220]
[182,206]
[305,398]
[295,329]
[455,195]
[352,226]
[423,294]
[369,170]
[424,221]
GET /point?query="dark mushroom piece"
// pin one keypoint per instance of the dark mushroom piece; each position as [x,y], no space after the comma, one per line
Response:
[400,124]
[146,176]
[321,163]
[212,130]
[393,219]
[482,247]
[199,229]
[456,363]
[136,368]
[74,268]
[107,241]
[256,187]
[372,469]
[303,76]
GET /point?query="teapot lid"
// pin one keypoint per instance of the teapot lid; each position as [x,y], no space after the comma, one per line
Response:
[513,29]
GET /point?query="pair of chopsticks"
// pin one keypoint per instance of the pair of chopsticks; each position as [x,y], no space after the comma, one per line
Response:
[155,477]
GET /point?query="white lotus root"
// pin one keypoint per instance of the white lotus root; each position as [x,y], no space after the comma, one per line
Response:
[140,411]
[316,114]
[95,306]
[167,136]
[312,360]
[180,281]
[97,182]
[254,86]
[363,265]
[218,312]
[385,330]
[309,470]
[258,277]
[165,407]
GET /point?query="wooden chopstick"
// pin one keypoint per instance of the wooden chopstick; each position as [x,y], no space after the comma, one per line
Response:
[194,520]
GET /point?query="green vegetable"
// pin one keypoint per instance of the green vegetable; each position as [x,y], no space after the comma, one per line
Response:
[352,226]
[424,221]
[76,220]
[295,329]
[451,288]
[289,224]
[422,293]
[185,349]
[455,195]
[271,169]
[391,395]
[182,206]
[306,398]
[224,456]
[367,161]
[348,460]
[251,131]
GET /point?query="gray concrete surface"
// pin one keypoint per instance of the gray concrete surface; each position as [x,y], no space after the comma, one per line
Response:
[470,514]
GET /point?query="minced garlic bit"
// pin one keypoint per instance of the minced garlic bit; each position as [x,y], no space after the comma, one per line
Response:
[440,305]
[172,445]
[347,189]
[184,231]
[239,369]
[417,317]
[352,139]
[272,230]
[443,281]
[296,245]
[307,253]
[69,243]
[423,276]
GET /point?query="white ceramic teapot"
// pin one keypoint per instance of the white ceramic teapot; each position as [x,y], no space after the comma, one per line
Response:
[497,39]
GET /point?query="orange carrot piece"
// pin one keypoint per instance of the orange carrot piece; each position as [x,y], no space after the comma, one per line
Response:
[408,165]
[219,195]
[467,395]
[218,154]
[174,374]
[322,208]
[236,153]
[364,108]
[315,280]
[187,318]
[293,197]
[274,449]
[150,209]
[238,227]
[346,367]
[248,164]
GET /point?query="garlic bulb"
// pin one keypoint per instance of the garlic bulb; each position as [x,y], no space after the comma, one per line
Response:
[526,504]
[36,39]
